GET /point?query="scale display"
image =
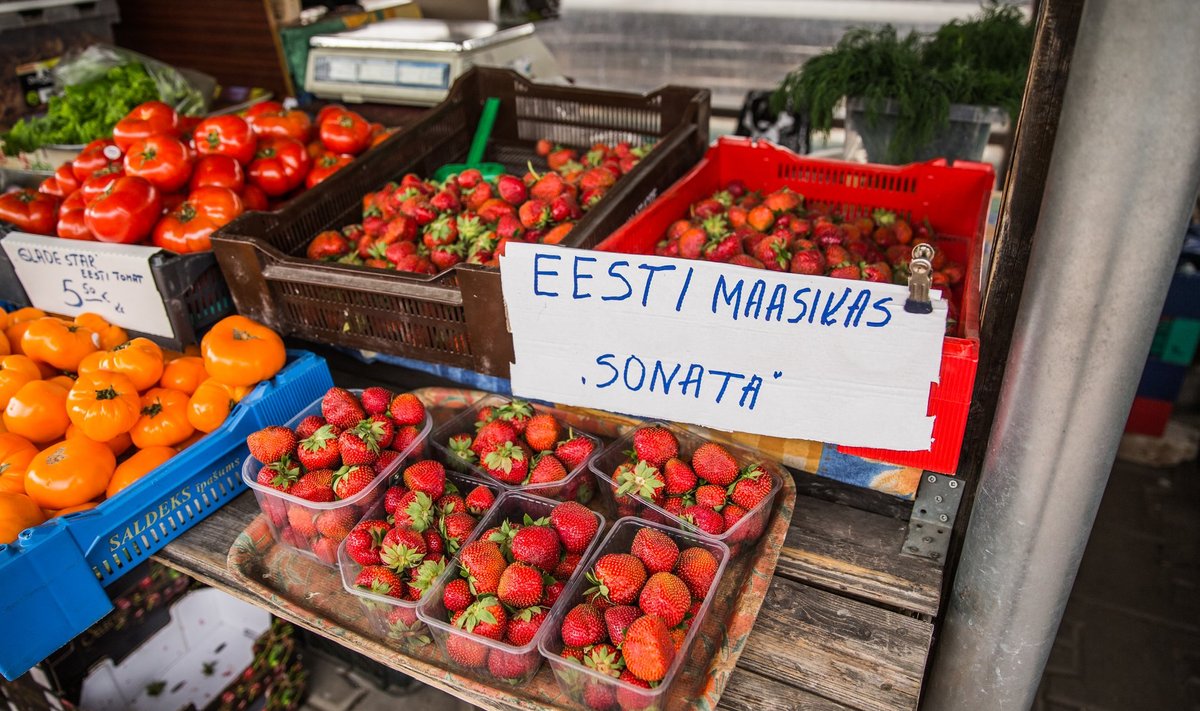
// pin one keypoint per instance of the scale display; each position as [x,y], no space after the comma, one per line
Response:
[382,72]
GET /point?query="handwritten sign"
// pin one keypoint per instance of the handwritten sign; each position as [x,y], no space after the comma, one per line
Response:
[727,347]
[69,277]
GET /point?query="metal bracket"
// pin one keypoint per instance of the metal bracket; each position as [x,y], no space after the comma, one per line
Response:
[933,514]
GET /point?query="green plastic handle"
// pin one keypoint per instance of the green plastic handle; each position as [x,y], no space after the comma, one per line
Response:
[483,131]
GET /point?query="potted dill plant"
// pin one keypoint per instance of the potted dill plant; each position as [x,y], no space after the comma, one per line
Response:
[918,97]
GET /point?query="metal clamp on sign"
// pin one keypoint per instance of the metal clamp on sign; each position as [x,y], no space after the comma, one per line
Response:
[918,281]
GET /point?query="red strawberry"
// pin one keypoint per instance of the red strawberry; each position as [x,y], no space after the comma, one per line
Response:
[392,498]
[326,550]
[402,548]
[845,270]
[807,261]
[380,580]
[434,546]
[642,480]
[546,468]
[655,549]
[309,425]
[301,521]
[732,513]
[339,407]
[597,695]
[697,568]
[633,700]
[271,444]
[547,187]
[451,503]
[383,429]
[516,413]
[424,575]
[537,546]
[752,488]
[582,626]
[405,436]
[605,659]
[279,475]
[572,653]
[364,540]
[510,227]
[648,649]
[457,596]
[655,445]
[491,435]
[456,528]
[407,409]
[520,586]
[714,464]
[704,518]
[320,449]
[359,444]
[676,504]
[426,476]
[710,495]
[414,510]
[335,524]
[480,500]
[524,624]
[507,463]
[542,432]
[666,597]
[575,525]
[678,476]
[466,651]
[485,617]
[375,400]
[617,620]
[386,458]
[460,446]
[512,667]
[314,486]
[566,567]
[484,564]
[616,577]
[350,480]
[574,451]
[511,189]
[551,592]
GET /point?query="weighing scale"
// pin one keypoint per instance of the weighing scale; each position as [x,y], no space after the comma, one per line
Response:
[407,61]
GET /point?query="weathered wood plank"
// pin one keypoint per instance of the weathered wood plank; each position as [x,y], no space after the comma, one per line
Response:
[748,691]
[865,657]
[859,553]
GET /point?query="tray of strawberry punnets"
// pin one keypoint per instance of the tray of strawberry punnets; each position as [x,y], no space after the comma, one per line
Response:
[650,614]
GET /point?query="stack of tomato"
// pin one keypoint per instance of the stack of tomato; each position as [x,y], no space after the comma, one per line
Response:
[86,411]
[173,180]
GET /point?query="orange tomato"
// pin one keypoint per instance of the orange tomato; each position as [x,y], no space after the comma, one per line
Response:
[140,464]
[28,313]
[17,322]
[164,420]
[86,506]
[66,381]
[15,371]
[196,437]
[38,411]
[117,444]
[110,336]
[238,351]
[184,374]
[3,319]
[5,349]
[209,406]
[17,513]
[141,360]
[69,473]
[15,453]
[58,343]
[104,405]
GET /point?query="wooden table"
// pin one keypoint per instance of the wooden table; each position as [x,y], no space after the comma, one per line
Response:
[846,624]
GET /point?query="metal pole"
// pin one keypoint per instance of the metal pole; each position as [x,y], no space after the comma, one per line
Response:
[1123,176]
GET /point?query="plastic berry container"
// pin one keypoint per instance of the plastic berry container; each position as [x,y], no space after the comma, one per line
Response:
[295,522]
[512,506]
[745,532]
[592,689]
[394,619]
[578,485]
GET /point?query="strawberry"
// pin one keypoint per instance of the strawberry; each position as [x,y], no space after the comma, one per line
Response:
[271,444]
[424,575]
[574,450]
[382,428]
[502,536]
[350,480]
[520,586]
[551,592]
[546,468]
[485,617]
[692,243]
[279,475]
[507,463]
[407,409]
[414,510]
[648,649]
[524,624]
[582,626]
[845,270]
[782,200]
[714,464]
[657,551]
[655,445]
[665,596]
[301,521]
[678,476]
[480,499]
[314,486]
[605,659]
[807,261]
[642,480]
[516,413]
[456,528]
[335,524]
[340,408]
[392,498]
[320,449]
[697,568]
[633,700]
[405,437]
[380,580]
[456,596]
[710,495]
[309,425]
[751,488]
[616,577]
[466,652]
[675,505]
[534,213]
[572,653]
[537,546]
[460,446]
[575,525]
[546,188]
[364,540]
[491,435]
[402,548]
[512,667]
[704,518]
[597,695]
[745,260]
[426,476]
[451,503]
[358,444]
[326,550]
[731,514]
[511,190]
[617,620]
[483,563]
[435,547]
[375,400]
[542,432]
[566,567]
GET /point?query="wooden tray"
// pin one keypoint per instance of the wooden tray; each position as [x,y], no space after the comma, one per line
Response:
[313,594]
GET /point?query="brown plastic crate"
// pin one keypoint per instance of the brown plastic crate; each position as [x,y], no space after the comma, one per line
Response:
[456,317]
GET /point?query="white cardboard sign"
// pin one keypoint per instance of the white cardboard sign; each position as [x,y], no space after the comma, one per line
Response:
[727,347]
[70,277]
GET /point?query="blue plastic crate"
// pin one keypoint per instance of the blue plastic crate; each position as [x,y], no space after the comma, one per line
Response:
[52,578]
[1161,381]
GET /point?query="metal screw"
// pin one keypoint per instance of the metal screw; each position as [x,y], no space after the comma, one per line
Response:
[953,484]
[938,498]
[927,539]
[931,478]
[914,549]
[935,555]
[943,518]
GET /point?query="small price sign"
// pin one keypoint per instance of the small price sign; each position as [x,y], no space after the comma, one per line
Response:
[727,347]
[69,277]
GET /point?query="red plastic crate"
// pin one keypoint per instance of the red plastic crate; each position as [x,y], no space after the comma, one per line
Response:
[1149,417]
[953,199]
